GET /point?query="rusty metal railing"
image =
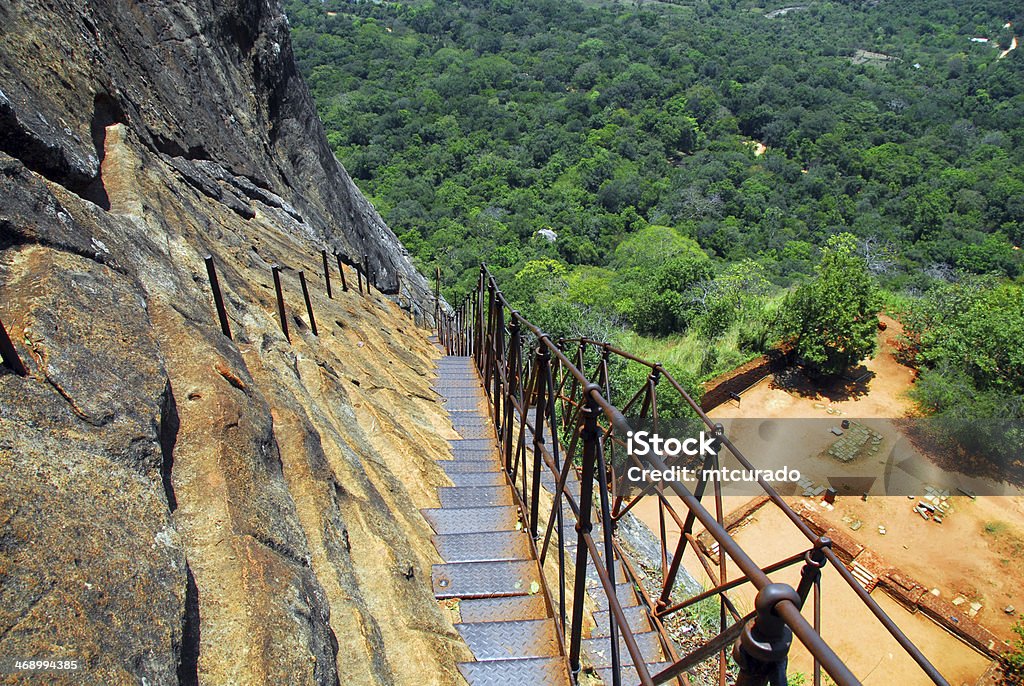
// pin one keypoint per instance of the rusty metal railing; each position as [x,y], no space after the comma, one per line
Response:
[550,414]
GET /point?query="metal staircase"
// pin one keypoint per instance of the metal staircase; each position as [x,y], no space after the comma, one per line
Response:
[490,564]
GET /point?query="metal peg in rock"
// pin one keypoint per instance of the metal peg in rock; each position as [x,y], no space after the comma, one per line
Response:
[218,299]
[11,359]
[309,303]
[327,274]
[341,270]
[280,301]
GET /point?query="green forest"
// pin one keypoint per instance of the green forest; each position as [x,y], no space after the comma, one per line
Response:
[703,180]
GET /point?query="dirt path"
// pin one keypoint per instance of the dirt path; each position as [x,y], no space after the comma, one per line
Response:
[1013,46]
[882,394]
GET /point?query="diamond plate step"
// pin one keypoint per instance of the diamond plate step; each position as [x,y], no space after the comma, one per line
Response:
[503,609]
[527,672]
[473,452]
[636,617]
[475,431]
[460,392]
[624,591]
[600,649]
[464,403]
[484,579]
[479,443]
[462,466]
[483,547]
[629,674]
[511,640]
[471,520]
[592,577]
[477,479]
[474,496]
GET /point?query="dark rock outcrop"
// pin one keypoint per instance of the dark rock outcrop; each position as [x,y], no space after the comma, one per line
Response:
[177,506]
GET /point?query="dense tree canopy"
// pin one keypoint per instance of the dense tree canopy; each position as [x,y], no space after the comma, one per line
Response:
[831,318]
[676,169]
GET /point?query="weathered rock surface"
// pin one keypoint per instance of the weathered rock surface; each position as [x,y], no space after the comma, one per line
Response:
[177,506]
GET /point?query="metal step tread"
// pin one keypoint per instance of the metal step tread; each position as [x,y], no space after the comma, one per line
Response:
[624,591]
[600,649]
[461,496]
[472,520]
[483,547]
[462,466]
[629,673]
[485,579]
[478,478]
[503,609]
[522,672]
[511,640]
[636,617]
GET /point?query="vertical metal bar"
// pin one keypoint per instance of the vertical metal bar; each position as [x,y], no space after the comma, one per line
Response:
[341,270]
[369,272]
[309,303]
[218,299]
[609,554]
[817,629]
[723,567]
[327,274]
[359,279]
[499,360]
[543,360]
[280,301]
[11,359]
[589,434]
[515,345]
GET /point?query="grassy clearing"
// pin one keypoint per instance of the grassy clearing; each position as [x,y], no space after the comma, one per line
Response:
[689,353]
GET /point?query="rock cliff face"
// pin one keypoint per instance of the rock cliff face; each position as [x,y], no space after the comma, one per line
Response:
[177,506]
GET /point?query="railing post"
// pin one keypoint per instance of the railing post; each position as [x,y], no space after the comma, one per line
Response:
[499,360]
[327,273]
[218,299]
[359,278]
[341,270]
[589,434]
[762,652]
[814,561]
[309,303]
[7,350]
[276,270]
[511,371]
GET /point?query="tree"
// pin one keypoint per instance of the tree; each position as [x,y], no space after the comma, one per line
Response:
[830,320]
